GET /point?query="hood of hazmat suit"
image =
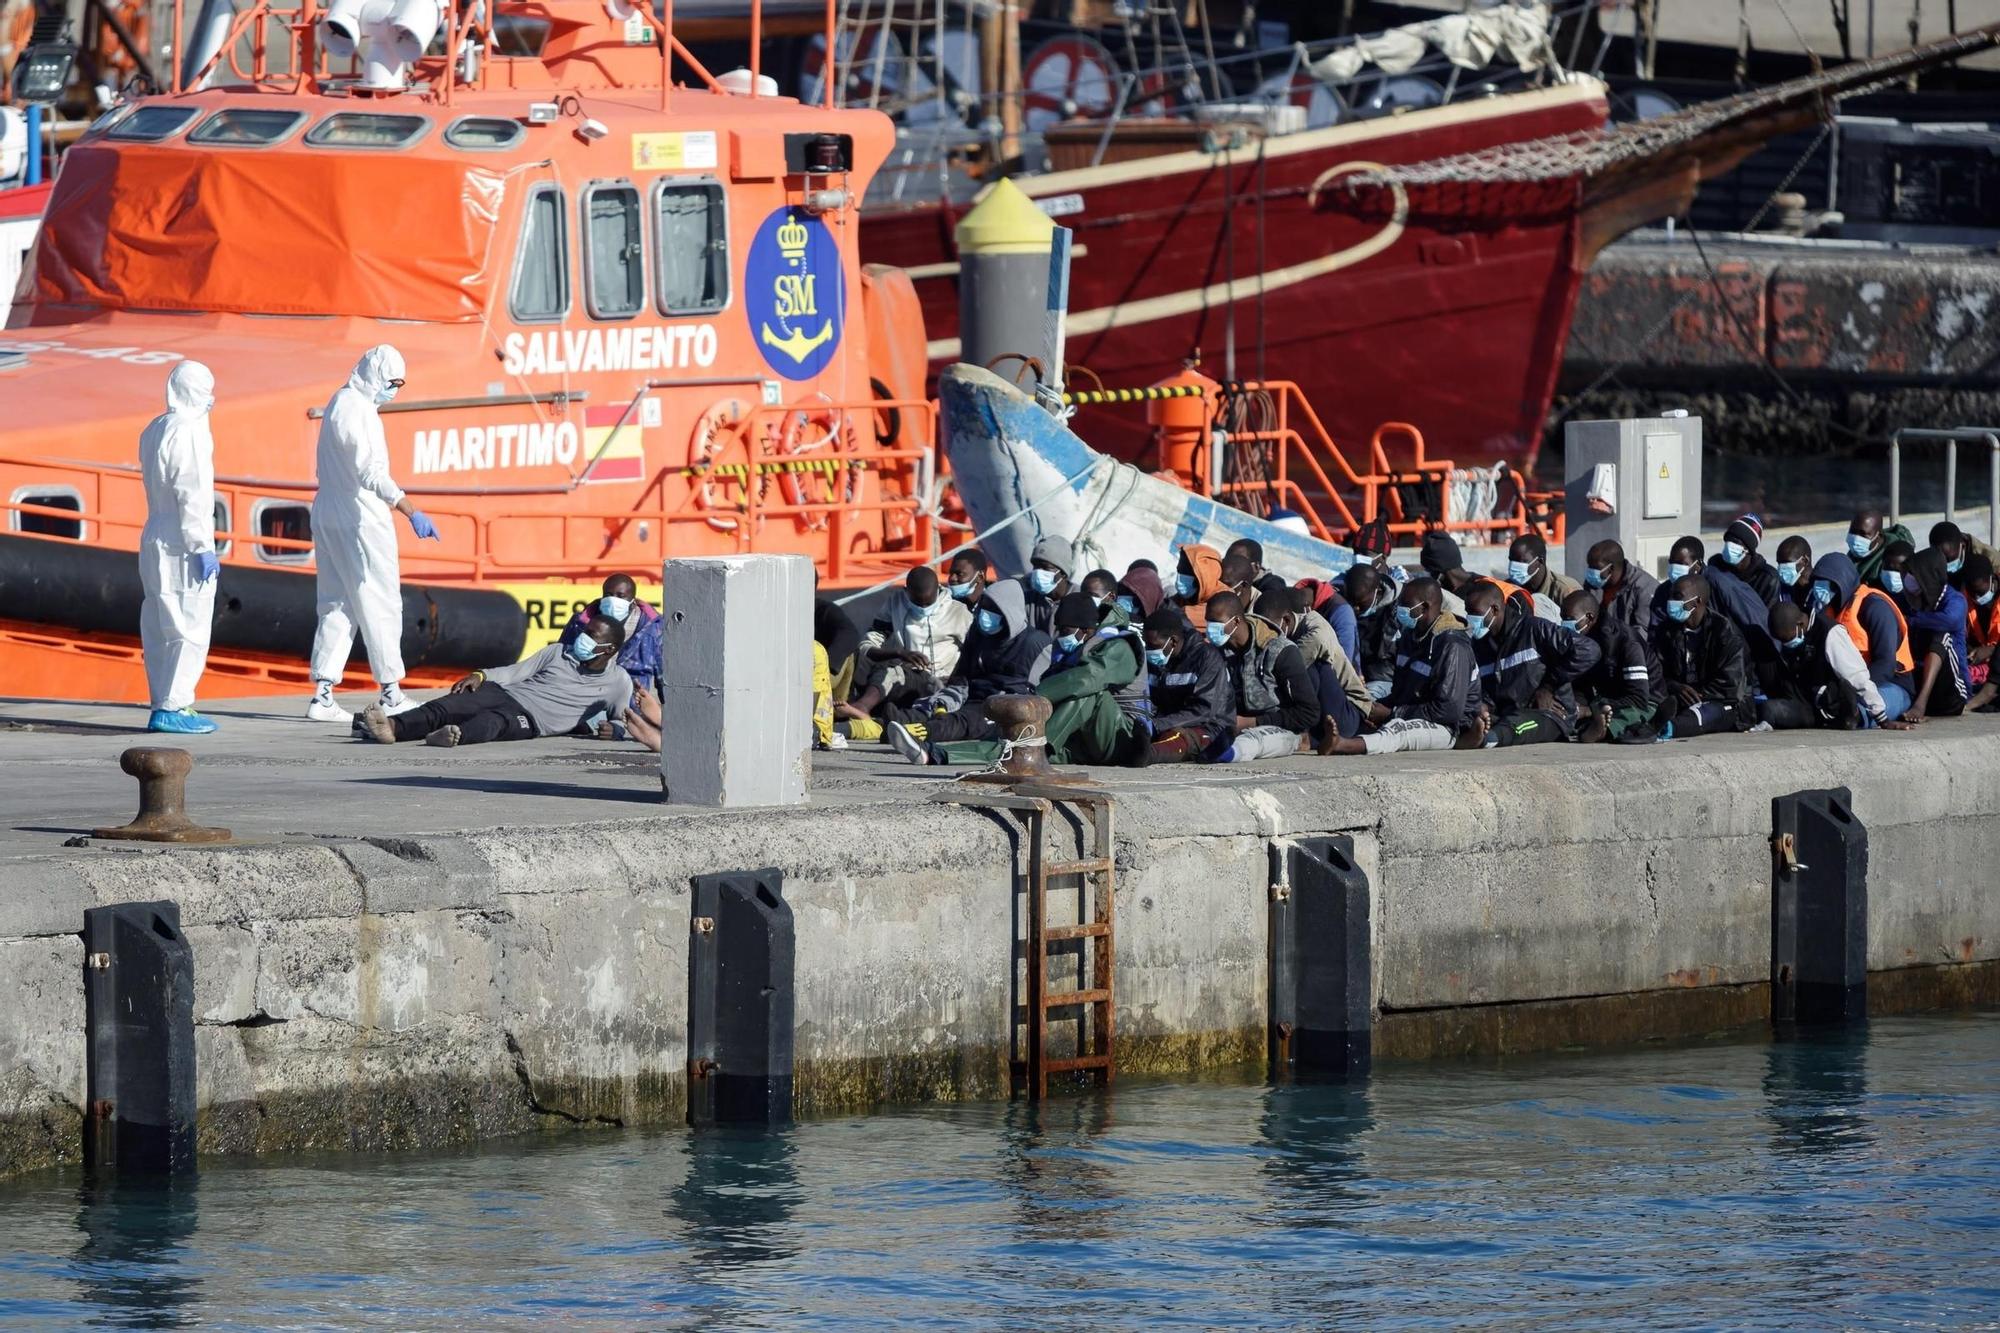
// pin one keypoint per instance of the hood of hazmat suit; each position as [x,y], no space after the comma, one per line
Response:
[177,466]
[354,535]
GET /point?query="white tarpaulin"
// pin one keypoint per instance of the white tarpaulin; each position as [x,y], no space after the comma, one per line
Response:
[1470,41]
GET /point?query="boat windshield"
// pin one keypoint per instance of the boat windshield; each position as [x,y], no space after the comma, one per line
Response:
[279,231]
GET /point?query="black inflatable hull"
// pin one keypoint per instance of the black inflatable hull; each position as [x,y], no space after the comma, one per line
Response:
[271,611]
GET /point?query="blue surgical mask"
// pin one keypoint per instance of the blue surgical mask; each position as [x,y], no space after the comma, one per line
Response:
[385,395]
[1822,594]
[1953,566]
[616,607]
[1678,610]
[1477,626]
[1069,643]
[584,649]
[1406,616]
[1676,572]
[1593,578]
[1791,645]
[1573,626]
[1790,574]
[1399,574]
[1519,571]
[1892,580]
[1156,657]
[1129,605]
[988,620]
[926,612]
[1858,545]
[1733,553]
[1985,598]
[1042,581]
[1218,632]
[1185,586]
[961,592]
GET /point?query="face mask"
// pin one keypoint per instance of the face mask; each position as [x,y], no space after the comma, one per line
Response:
[1953,566]
[1985,598]
[960,592]
[1520,571]
[1892,580]
[1679,610]
[926,612]
[616,607]
[1822,594]
[1858,545]
[1218,634]
[1069,643]
[583,649]
[1573,626]
[1793,645]
[1399,574]
[1184,586]
[1789,575]
[1733,553]
[1477,626]
[384,395]
[988,621]
[1042,581]
[1129,605]
[1676,572]
[1593,578]
[1097,601]
[1156,657]
[1406,616]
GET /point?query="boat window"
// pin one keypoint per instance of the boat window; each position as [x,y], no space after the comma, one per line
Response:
[519,35]
[541,267]
[243,125]
[48,525]
[150,124]
[106,120]
[367,129]
[286,520]
[614,252]
[692,236]
[222,543]
[484,132]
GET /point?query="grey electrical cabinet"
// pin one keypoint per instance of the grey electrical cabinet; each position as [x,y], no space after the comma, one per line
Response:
[1652,487]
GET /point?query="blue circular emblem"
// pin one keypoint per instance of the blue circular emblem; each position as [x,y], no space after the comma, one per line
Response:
[794,293]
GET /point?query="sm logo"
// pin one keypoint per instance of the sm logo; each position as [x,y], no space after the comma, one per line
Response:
[795,293]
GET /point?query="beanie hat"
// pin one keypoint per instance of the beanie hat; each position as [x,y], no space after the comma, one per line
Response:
[1076,611]
[1439,554]
[1371,539]
[1053,550]
[1746,531]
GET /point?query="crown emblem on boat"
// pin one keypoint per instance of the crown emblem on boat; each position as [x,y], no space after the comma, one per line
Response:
[792,240]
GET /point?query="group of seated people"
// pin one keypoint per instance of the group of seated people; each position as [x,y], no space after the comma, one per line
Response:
[1221,661]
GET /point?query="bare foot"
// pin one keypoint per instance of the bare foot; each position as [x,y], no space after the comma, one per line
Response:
[1596,729]
[1346,745]
[444,737]
[1474,735]
[375,724]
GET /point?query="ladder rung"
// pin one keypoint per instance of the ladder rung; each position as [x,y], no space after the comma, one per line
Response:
[1061,998]
[1077,1062]
[1084,931]
[1100,865]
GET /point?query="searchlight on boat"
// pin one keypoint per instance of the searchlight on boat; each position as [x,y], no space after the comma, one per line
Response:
[390,35]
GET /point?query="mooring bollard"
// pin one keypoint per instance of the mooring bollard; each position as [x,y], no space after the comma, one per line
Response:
[1322,981]
[138,1017]
[162,816]
[1819,909]
[740,1000]
[1023,720]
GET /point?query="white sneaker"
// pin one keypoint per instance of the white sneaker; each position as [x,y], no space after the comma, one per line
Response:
[402,703]
[324,709]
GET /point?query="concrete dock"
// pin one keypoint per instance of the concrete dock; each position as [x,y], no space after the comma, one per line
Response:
[409,946]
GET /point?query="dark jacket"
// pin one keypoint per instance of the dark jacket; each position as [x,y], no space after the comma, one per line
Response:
[1743,603]
[1757,573]
[1632,605]
[1194,689]
[1877,617]
[1271,681]
[1010,662]
[1713,658]
[1376,634]
[835,632]
[1527,654]
[1626,673]
[1437,678]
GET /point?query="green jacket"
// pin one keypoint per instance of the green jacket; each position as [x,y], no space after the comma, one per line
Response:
[1113,662]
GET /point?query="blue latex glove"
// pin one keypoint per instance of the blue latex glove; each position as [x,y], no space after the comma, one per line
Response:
[421,525]
[206,566]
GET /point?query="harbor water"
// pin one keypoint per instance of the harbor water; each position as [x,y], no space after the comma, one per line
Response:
[1843,1181]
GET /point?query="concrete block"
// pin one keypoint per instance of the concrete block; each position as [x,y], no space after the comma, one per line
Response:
[736,696]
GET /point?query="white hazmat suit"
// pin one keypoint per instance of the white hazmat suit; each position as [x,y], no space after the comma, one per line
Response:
[354,533]
[177,461]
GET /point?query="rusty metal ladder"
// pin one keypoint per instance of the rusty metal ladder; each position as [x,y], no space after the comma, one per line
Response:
[1096,877]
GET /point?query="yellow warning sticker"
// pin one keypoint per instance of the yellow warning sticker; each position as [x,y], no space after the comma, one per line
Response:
[683,150]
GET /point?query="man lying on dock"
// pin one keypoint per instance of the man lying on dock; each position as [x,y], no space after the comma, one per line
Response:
[557,691]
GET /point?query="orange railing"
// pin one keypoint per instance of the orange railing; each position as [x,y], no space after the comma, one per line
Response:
[792,464]
[1307,471]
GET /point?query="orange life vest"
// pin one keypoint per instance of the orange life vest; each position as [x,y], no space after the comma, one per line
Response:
[1982,622]
[1512,591]
[1851,619]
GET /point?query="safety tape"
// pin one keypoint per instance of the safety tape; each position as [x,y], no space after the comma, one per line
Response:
[1092,397]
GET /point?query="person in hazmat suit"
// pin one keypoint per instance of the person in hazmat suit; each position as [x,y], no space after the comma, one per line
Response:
[177,561]
[354,540]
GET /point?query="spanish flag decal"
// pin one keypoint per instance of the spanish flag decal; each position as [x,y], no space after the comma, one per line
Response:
[614,452]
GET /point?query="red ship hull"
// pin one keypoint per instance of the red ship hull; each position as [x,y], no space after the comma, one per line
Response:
[1456,326]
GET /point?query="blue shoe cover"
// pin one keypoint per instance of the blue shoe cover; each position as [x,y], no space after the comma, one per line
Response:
[186,722]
